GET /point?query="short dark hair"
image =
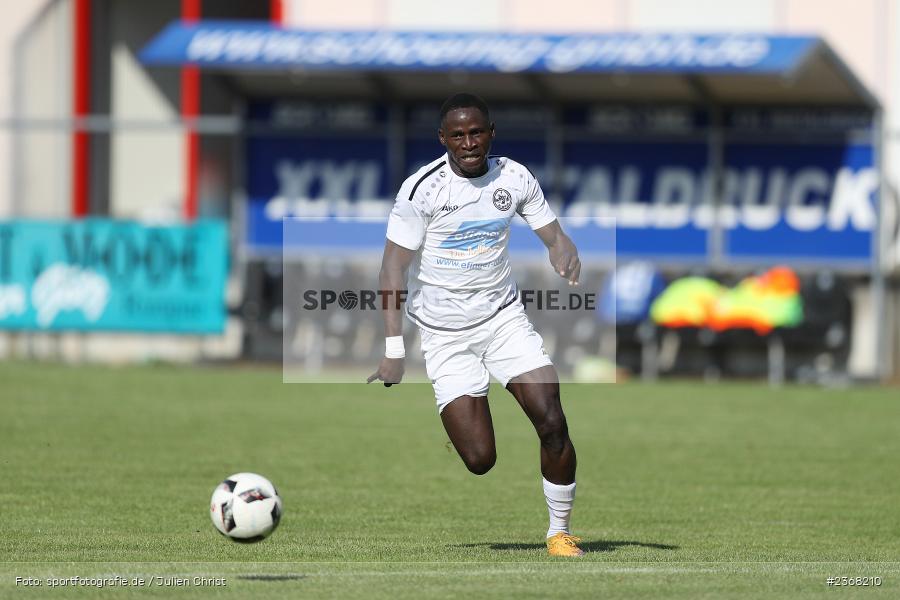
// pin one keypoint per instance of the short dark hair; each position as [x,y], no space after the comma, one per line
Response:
[464,100]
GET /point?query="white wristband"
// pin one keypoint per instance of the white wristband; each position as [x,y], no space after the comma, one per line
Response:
[393,347]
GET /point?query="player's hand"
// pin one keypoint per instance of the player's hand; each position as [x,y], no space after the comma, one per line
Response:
[565,261]
[390,371]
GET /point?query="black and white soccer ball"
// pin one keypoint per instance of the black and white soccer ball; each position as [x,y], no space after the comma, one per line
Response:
[245,507]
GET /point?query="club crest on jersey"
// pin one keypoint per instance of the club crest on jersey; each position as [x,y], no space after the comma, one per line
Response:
[502,199]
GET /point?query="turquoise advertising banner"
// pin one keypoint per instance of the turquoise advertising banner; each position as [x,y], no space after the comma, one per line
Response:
[108,275]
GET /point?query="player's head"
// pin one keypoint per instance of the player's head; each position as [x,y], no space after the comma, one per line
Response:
[466,131]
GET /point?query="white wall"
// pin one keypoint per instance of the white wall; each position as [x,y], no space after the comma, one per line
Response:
[700,16]
[147,166]
[34,163]
[16,17]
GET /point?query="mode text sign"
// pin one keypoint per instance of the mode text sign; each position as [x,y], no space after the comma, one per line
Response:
[100,274]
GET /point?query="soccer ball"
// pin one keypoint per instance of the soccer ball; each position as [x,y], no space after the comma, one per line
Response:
[245,507]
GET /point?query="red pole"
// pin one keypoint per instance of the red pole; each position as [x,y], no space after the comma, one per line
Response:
[81,105]
[276,11]
[190,109]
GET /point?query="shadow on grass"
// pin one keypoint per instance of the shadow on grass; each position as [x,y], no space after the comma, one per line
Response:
[593,546]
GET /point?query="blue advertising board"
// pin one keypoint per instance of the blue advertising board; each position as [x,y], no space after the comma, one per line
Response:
[626,183]
[312,159]
[311,176]
[814,203]
[778,202]
[106,275]
[810,199]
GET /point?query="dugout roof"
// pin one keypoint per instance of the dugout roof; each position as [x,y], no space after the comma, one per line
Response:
[262,59]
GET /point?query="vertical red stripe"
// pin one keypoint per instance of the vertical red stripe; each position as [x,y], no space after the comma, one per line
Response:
[190,10]
[81,105]
[190,108]
[276,11]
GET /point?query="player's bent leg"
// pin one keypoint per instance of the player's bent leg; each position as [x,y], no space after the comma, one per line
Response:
[538,394]
[467,421]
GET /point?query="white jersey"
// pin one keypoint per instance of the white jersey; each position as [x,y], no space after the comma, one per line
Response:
[461,276]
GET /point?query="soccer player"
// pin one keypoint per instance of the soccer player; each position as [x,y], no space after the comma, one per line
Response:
[449,229]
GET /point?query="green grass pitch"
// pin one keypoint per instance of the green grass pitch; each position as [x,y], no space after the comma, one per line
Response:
[685,490]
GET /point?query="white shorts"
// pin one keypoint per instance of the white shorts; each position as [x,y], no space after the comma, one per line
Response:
[461,363]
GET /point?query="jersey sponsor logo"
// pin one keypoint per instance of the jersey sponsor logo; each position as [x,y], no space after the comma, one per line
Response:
[474,234]
[449,207]
[473,240]
[502,199]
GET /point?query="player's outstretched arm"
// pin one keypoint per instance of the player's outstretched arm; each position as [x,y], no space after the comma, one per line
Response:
[563,253]
[392,282]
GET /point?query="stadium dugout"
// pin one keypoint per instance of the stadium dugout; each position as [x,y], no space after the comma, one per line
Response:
[721,152]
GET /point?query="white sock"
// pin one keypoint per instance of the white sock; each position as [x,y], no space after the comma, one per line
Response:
[560,499]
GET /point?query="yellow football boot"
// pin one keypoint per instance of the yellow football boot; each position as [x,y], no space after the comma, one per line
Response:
[563,544]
